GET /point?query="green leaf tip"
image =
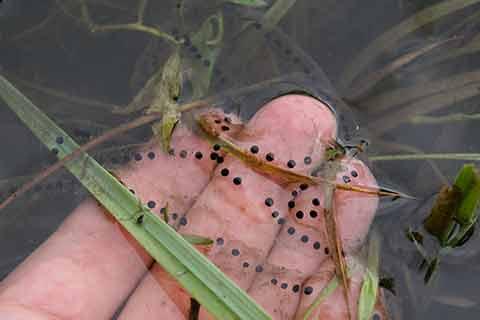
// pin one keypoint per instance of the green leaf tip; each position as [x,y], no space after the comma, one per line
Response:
[197,240]
[440,222]
[468,181]
[322,296]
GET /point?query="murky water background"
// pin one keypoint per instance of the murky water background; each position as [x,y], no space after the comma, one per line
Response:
[61,63]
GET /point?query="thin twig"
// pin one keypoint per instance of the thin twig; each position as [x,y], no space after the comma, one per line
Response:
[454,117]
[423,106]
[67,12]
[432,156]
[136,26]
[361,88]
[393,36]
[53,12]
[392,100]
[412,149]
[333,235]
[99,154]
[83,123]
[62,95]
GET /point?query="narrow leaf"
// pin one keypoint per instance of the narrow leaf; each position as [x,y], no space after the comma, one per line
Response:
[368,82]
[197,240]
[421,89]
[249,3]
[391,37]
[164,129]
[322,296]
[276,12]
[369,290]
[455,206]
[422,106]
[368,296]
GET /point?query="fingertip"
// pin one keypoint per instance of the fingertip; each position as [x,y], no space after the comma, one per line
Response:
[300,113]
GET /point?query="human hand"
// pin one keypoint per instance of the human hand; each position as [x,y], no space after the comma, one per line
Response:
[270,244]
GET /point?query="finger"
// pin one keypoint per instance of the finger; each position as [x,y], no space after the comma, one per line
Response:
[164,181]
[153,306]
[302,245]
[89,266]
[334,306]
[233,209]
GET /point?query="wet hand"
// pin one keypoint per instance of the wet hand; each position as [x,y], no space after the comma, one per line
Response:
[270,239]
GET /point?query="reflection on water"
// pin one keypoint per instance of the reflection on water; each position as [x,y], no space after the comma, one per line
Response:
[79,78]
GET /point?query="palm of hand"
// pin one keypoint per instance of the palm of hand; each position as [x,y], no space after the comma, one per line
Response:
[270,239]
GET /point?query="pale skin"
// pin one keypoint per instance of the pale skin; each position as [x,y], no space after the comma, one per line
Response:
[90,265]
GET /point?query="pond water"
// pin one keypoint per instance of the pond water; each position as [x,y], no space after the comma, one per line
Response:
[78,78]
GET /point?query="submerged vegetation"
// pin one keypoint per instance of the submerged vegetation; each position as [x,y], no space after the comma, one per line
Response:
[414,84]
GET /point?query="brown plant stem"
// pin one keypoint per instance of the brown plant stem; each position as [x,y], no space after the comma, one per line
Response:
[140,121]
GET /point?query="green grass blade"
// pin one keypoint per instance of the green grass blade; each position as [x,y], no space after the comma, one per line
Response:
[468,181]
[368,296]
[369,290]
[168,90]
[249,3]
[200,277]
[423,106]
[322,296]
[369,82]
[449,118]
[391,37]
[276,12]
[447,55]
[428,156]
[197,240]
